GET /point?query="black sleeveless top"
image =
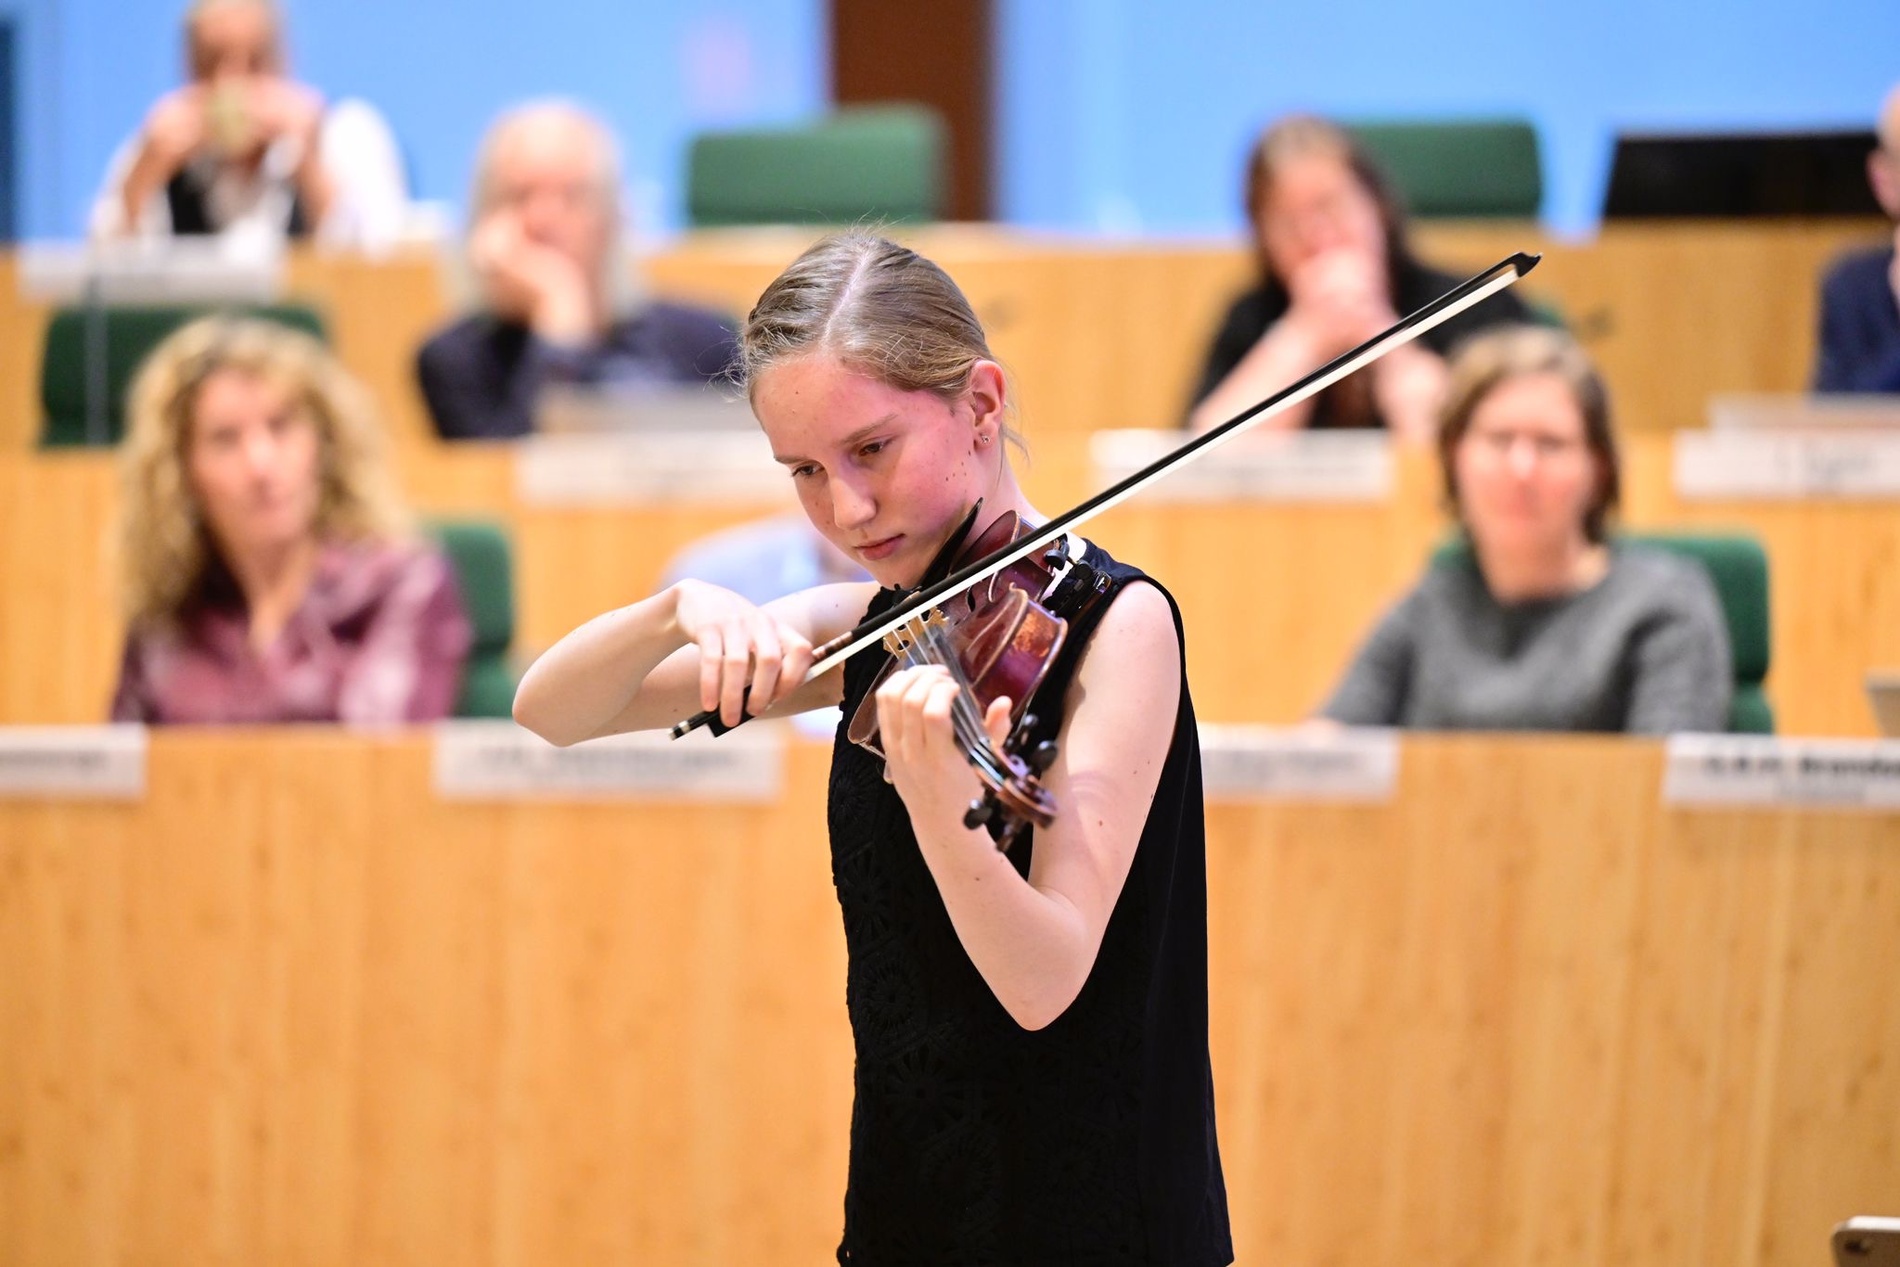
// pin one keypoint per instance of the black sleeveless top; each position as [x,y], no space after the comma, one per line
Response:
[975,1141]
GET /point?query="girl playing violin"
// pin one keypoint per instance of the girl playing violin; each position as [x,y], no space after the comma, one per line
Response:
[1032,1080]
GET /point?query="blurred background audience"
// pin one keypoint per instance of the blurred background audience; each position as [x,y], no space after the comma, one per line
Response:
[244,149]
[1860,297]
[1335,268]
[1542,621]
[544,243]
[763,560]
[270,574]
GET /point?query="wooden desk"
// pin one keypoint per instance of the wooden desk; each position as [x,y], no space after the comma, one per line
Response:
[1112,334]
[292,1009]
[1277,597]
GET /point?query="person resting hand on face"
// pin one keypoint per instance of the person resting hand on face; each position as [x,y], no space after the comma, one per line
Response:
[1336,268]
[243,149]
[544,248]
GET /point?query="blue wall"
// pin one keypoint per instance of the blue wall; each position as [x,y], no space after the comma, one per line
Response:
[439,70]
[1128,115]
[1123,115]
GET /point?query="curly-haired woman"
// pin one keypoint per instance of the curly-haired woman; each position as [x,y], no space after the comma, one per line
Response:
[269,572]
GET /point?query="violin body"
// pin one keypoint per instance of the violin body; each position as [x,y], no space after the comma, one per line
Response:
[998,639]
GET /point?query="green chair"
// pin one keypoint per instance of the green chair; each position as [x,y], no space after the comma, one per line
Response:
[879,163]
[478,550]
[129,335]
[1468,168]
[1739,568]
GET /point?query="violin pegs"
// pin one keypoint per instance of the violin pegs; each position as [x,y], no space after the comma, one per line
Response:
[981,811]
[1041,757]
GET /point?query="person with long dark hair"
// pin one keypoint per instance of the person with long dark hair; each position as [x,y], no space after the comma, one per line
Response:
[1335,268]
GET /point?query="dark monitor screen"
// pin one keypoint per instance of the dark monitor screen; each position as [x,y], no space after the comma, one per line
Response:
[1732,174]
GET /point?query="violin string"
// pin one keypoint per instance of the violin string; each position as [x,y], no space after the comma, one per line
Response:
[929,646]
[966,693]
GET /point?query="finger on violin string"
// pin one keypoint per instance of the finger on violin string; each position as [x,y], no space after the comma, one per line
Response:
[899,702]
[996,720]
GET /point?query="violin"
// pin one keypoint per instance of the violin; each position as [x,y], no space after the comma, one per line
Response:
[1000,637]
[998,640]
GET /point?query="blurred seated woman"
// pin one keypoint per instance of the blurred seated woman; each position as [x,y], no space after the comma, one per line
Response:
[1543,623]
[268,568]
[1335,269]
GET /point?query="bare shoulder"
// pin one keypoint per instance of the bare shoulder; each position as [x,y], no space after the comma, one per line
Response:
[1139,622]
[1132,666]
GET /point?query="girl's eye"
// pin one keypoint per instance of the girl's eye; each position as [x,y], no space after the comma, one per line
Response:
[804,472]
[872,449]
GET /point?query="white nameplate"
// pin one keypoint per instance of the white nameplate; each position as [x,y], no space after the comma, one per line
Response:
[1240,763]
[1779,464]
[498,760]
[670,467]
[221,269]
[1799,411]
[1295,466]
[1763,770]
[73,761]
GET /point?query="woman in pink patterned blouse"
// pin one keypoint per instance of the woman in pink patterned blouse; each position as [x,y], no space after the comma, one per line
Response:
[268,568]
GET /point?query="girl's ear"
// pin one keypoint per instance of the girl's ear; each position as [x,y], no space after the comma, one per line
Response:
[988,393]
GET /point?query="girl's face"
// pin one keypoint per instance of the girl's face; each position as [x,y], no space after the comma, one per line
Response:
[1526,475]
[885,475]
[251,459]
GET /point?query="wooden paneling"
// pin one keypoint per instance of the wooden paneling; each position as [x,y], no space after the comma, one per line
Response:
[1112,334]
[1106,334]
[290,1008]
[1833,583]
[1277,597]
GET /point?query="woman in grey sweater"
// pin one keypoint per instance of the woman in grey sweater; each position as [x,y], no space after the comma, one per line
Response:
[1543,622]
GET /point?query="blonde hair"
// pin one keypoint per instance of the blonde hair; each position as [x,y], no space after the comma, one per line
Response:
[165,547]
[882,309]
[1487,361]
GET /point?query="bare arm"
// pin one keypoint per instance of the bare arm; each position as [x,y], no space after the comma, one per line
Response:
[172,132]
[1035,940]
[691,646]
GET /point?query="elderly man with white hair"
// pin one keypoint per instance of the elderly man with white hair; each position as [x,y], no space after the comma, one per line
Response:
[1860,299]
[242,149]
[543,243]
